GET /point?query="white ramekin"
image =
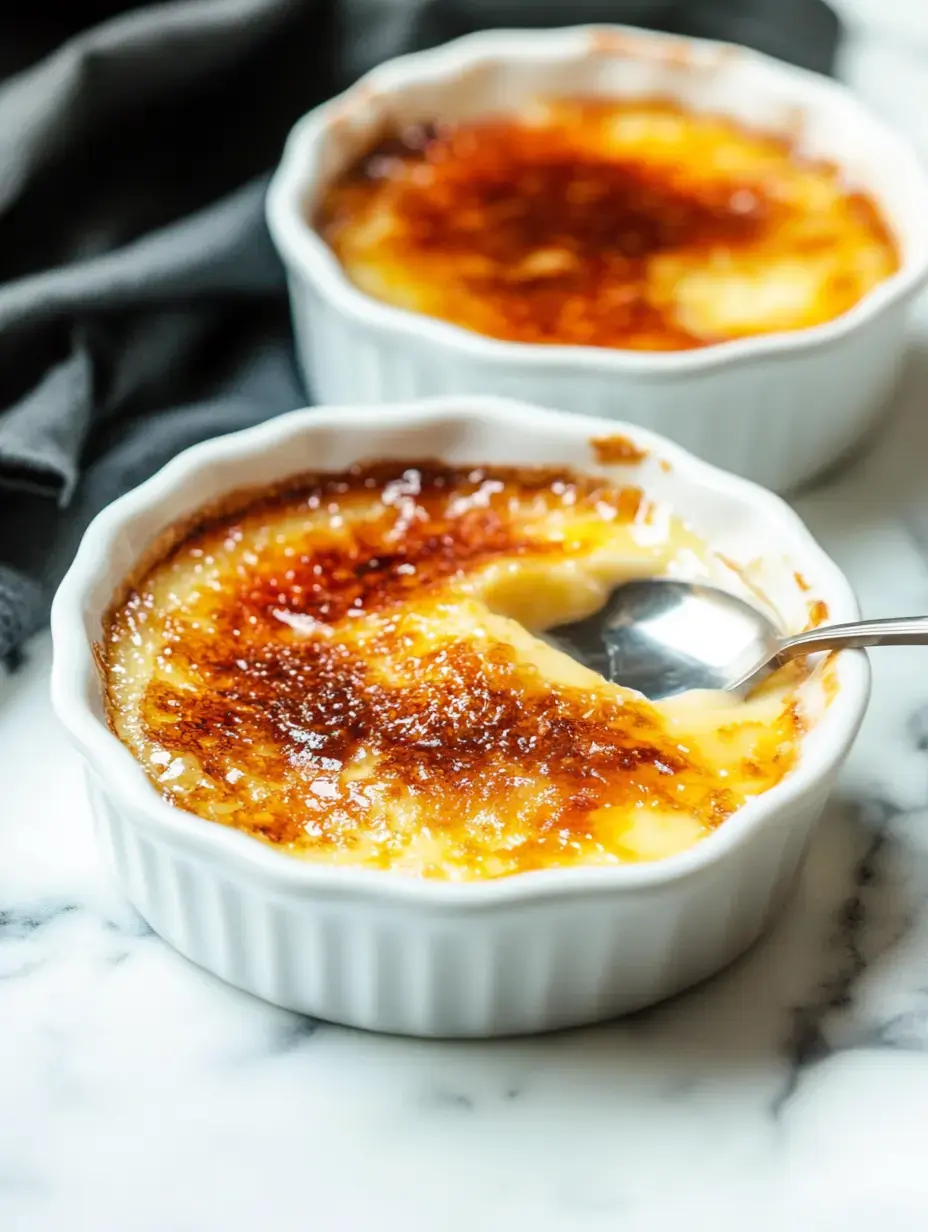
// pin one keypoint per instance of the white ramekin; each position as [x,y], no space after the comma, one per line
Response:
[778,409]
[380,950]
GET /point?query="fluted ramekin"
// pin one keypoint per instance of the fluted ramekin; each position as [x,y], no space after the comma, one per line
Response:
[779,408]
[381,950]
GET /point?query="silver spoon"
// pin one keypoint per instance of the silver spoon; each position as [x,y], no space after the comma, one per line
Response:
[663,637]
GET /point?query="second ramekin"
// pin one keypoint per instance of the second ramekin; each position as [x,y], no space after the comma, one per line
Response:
[380,950]
[778,408]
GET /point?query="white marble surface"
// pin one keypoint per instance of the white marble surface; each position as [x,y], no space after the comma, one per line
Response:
[139,1095]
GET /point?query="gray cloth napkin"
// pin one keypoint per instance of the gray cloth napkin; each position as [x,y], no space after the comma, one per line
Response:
[142,307]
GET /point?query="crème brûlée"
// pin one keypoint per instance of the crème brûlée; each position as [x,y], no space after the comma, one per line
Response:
[349,668]
[626,224]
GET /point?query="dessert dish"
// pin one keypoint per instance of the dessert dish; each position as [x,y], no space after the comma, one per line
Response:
[407,949]
[684,235]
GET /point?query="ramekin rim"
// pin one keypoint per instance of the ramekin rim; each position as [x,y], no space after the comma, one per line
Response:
[299,244]
[74,674]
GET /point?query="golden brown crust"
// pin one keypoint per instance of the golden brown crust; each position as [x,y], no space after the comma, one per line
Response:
[316,486]
[818,613]
[542,233]
[617,450]
[313,682]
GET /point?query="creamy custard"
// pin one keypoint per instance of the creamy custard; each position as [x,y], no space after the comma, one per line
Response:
[635,225]
[349,668]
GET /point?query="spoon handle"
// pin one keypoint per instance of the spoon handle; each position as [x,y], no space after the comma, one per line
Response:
[897,631]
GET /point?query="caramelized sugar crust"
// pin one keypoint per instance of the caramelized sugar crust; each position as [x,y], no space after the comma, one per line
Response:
[614,224]
[334,668]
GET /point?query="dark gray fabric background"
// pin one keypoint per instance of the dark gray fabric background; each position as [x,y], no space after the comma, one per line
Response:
[141,305]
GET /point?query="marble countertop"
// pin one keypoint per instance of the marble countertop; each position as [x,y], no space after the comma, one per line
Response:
[138,1094]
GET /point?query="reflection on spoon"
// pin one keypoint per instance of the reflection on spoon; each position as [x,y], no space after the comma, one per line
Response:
[663,637]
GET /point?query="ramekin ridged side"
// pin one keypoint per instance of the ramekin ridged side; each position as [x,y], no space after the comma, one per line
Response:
[778,409]
[386,952]
[427,971]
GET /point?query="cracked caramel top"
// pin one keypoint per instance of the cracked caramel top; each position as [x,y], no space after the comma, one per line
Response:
[635,225]
[348,667]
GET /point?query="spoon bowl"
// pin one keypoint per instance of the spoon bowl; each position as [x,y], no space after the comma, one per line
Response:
[662,637]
